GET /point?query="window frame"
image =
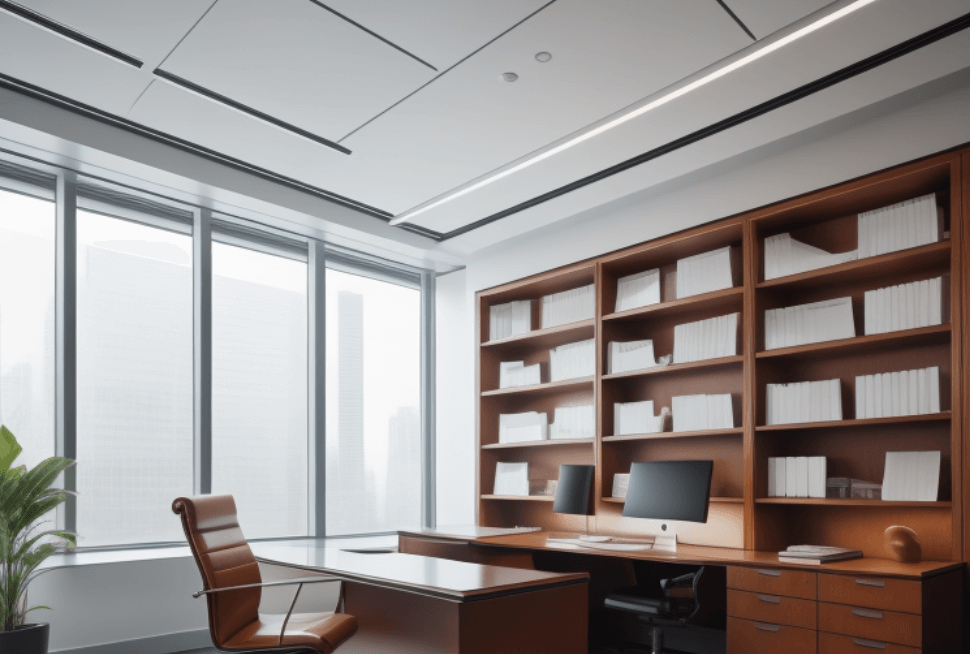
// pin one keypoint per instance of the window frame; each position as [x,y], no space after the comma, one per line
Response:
[206,225]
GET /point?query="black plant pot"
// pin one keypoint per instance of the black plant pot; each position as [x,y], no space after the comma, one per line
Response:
[28,639]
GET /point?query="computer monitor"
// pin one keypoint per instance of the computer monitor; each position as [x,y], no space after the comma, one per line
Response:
[574,488]
[669,490]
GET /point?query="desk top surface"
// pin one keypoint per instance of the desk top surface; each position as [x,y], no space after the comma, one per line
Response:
[454,580]
[701,555]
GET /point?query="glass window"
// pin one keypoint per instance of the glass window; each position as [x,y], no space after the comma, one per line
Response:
[27,253]
[373,399]
[259,388]
[134,380]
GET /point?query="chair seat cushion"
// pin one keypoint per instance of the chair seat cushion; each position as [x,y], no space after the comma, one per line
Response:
[318,632]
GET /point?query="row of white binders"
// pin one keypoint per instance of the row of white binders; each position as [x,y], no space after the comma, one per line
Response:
[690,413]
[568,422]
[695,341]
[514,318]
[698,274]
[903,393]
[906,306]
[803,402]
[898,227]
[816,322]
[569,361]
[797,476]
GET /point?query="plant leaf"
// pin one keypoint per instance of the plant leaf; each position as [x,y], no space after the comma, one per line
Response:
[9,449]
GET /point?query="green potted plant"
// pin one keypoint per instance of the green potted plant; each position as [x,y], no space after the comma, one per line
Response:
[25,497]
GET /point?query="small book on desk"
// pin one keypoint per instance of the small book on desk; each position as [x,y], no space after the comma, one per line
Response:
[816,554]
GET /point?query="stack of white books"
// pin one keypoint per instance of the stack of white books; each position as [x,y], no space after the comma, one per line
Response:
[704,273]
[903,393]
[573,422]
[804,402]
[637,418]
[906,306]
[516,373]
[633,355]
[569,306]
[639,290]
[522,427]
[701,412]
[829,320]
[911,476]
[817,555]
[905,225]
[706,339]
[786,256]
[797,476]
[511,479]
[572,360]
[510,319]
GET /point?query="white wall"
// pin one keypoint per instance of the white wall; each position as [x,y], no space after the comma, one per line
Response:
[915,124]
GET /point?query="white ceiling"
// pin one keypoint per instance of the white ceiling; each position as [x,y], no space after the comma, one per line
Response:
[415,132]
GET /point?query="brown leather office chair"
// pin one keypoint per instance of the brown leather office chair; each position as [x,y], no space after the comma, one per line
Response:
[233,588]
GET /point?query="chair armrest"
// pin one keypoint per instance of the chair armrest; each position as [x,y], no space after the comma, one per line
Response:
[286,582]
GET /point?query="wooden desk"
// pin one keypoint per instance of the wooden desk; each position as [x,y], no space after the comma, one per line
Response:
[417,604]
[861,606]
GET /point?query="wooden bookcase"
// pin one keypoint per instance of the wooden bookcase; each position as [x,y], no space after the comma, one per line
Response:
[741,514]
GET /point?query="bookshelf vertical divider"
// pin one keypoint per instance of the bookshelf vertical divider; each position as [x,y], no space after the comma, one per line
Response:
[742,514]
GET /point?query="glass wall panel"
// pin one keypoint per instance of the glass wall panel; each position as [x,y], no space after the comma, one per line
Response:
[27,253]
[259,388]
[134,380]
[373,399]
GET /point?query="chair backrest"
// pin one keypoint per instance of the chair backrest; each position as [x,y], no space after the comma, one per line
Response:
[224,559]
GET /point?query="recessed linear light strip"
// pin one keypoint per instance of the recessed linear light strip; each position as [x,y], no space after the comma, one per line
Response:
[63,31]
[639,111]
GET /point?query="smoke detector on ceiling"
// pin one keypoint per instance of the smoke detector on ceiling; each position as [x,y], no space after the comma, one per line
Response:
[508,77]
[543,57]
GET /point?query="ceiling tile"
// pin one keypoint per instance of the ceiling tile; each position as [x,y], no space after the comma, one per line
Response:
[764,17]
[441,32]
[296,62]
[146,30]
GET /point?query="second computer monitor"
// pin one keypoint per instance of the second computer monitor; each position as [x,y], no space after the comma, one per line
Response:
[669,490]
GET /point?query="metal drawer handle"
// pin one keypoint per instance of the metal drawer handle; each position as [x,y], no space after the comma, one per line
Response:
[769,599]
[868,643]
[865,613]
[773,628]
[875,583]
[770,573]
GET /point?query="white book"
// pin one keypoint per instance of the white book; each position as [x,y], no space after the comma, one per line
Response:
[516,373]
[772,476]
[781,483]
[639,290]
[636,418]
[895,398]
[801,470]
[704,273]
[936,302]
[911,476]
[878,411]
[510,319]
[791,476]
[511,479]
[816,476]
[522,427]
[568,306]
[933,373]
[571,422]
[633,355]
[572,360]
[923,389]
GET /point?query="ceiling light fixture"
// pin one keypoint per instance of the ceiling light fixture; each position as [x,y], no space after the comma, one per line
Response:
[543,57]
[638,111]
[508,77]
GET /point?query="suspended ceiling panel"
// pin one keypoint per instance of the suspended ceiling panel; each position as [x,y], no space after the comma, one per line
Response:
[146,30]
[41,58]
[441,32]
[296,62]
[868,31]
[468,122]
[173,110]
[763,17]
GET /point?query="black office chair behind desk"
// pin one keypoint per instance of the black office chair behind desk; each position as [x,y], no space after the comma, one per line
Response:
[675,609]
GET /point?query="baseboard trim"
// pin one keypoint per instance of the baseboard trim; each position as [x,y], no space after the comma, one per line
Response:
[182,641]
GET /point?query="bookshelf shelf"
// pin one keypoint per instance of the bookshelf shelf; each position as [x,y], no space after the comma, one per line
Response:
[520,498]
[707,433]
[729,298]
[932,256]
[934,334]
[817,501]
[544,389]
[548,443]
[867,422]
[826,219]
[677,367]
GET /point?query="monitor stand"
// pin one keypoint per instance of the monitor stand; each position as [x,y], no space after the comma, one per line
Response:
[665,543]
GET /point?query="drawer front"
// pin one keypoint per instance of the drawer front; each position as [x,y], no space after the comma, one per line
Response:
[788,583]
[752,637]
[871,624]
[775,609]
[833,644]
[872,592]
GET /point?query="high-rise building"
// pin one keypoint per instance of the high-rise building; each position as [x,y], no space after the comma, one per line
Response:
[403,486]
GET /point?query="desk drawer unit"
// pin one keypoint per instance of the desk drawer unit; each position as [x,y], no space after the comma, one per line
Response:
[773,609]
[900,595]
[751,637]
[871,624]
[787,583]
[834,644]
